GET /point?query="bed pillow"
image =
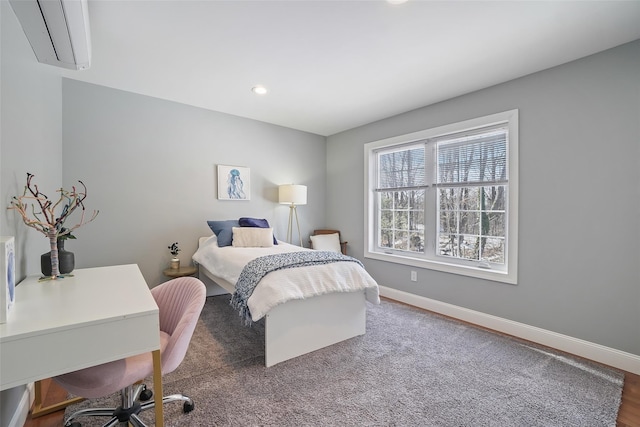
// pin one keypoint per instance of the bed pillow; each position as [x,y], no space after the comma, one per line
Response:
[326,242]
[223,230]
[252,237]
[256,222]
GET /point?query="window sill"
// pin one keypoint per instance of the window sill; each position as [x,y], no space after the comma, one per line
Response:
[479,273]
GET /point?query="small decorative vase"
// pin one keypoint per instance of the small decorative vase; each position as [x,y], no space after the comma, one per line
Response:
[175,263]
[66,260]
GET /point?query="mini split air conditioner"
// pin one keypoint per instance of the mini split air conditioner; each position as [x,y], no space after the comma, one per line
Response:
[58,31]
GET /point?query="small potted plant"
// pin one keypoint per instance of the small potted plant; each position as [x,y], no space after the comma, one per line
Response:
[175,261]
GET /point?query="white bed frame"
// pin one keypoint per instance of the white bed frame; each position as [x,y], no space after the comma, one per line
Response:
[301,326]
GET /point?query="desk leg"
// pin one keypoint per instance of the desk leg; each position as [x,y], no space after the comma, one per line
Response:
[38,410]
[157,388]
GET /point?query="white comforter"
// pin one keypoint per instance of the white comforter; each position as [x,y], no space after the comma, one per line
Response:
[280,286]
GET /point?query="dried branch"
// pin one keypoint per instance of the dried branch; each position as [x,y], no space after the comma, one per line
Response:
[42,216]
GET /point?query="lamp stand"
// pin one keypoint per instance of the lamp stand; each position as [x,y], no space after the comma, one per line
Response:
[293,211]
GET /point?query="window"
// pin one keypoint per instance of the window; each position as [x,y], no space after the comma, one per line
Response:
[446,198]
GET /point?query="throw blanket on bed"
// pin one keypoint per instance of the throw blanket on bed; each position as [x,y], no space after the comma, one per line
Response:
[256,269]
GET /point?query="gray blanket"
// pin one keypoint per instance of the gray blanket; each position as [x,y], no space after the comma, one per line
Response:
[259,267]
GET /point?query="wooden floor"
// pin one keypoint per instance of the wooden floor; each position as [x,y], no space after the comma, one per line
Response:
[629,415]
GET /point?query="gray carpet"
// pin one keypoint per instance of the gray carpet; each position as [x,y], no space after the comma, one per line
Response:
[412,368]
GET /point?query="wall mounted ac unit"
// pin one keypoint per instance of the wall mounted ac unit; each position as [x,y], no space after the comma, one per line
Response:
[58,31]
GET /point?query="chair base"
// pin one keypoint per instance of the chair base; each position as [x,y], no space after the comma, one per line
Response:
[128,412]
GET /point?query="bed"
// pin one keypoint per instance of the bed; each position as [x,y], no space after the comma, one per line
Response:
[305,308]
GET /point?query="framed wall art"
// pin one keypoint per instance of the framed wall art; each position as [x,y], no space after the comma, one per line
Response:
[234,183]
[8,276]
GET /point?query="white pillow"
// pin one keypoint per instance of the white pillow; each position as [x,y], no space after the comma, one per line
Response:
[252,237]
[326,242]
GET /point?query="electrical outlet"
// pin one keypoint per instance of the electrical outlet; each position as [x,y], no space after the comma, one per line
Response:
[414,276]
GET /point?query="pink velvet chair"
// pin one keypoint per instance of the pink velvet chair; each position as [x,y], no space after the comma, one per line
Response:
[180,302]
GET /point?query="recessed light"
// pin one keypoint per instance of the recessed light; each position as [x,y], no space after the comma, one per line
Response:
[396,1]
[259,90]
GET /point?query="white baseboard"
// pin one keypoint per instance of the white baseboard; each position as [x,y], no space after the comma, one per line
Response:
[22,410]
[609,356]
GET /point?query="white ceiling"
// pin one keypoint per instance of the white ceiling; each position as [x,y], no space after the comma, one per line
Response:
[334,65]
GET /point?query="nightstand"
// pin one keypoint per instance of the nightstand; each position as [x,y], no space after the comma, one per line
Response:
[189,270]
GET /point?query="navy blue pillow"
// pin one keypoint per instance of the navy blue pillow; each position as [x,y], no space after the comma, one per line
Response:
[223,230]
[256,222]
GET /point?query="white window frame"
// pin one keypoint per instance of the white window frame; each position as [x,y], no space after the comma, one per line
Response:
[507,274]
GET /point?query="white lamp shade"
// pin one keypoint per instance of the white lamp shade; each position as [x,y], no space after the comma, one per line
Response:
[292,194]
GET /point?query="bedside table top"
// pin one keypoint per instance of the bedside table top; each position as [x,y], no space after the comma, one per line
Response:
[189,270]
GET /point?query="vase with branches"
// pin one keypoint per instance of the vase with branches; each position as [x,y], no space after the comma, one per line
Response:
[49,216]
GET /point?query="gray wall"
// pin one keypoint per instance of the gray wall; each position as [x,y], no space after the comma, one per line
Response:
[30,141]
[579,215]
[150,168]
[31,135]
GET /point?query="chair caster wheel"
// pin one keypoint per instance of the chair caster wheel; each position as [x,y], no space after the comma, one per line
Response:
[187,407]
[146,394]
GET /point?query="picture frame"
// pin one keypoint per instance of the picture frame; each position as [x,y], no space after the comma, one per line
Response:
[234,183]
[7,276]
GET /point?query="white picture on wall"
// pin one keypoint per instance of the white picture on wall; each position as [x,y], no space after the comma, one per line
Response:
[8,280]
[234,183]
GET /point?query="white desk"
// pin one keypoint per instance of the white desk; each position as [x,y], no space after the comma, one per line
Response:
[96,316]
